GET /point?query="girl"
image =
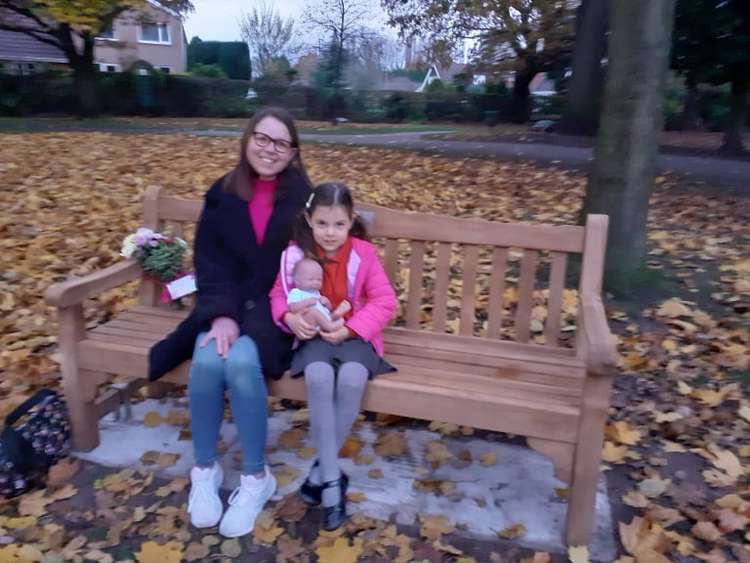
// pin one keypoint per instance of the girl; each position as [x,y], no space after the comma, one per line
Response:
[245,225]
[336,364]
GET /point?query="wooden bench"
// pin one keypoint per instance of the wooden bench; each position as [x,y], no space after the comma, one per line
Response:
[448,272]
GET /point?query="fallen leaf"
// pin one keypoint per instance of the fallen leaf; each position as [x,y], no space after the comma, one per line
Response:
[152,552]
[434,526]
[706,531]
[622,432]
[152,419]
[488,458]
[231,548]
[375,474]
[266,530]
[390,444]
[513,532]
[636,499]
[196,552]
[578,554]
[341,551]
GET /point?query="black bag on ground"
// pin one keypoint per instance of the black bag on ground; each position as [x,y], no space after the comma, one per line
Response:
[35,436]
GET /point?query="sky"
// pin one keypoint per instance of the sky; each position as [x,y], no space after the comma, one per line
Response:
[217,19]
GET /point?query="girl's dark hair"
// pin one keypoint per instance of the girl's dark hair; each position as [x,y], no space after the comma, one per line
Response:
[329,194]
[241,179]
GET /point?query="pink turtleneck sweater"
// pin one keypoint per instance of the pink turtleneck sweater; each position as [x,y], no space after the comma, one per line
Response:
[260,206]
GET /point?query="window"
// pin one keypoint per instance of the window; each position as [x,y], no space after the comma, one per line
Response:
[143,71]
[165,69]
[154,33]
[108,67]
[107,33]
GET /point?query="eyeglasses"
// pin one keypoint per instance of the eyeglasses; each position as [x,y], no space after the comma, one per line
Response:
[281,146]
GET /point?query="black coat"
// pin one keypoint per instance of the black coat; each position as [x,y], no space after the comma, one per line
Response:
[234,275]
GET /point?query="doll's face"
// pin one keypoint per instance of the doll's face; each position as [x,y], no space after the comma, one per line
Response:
[308,275]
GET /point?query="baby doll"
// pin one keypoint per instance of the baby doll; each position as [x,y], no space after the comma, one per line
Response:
[308,279]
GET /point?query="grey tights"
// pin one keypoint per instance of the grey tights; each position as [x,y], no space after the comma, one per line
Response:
[334,402]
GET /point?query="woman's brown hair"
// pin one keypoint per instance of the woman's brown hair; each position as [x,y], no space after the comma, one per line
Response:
[241,179]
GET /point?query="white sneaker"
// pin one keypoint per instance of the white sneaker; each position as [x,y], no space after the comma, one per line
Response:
[204,504]
[245,503]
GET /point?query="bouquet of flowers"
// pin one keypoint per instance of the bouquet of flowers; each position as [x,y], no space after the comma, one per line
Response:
[159,255]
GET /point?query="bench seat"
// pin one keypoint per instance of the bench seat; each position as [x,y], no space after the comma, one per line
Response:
[504,386]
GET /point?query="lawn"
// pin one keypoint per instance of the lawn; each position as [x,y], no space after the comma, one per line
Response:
[677,437]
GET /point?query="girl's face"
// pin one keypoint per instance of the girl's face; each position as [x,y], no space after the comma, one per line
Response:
[269,151]
[330,226]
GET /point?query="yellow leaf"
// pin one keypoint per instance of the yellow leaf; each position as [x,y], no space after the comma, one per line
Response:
[340,552]
[152,419]
[513,532]
[434,526]
[152,552]
[489,458]
[673,308]
[744,412]
[661,417]
[578,554]
[612,453]
[654,487]
[706,531]
[710,397]
[620,431]
[684,388]
[266,530]
[635,499]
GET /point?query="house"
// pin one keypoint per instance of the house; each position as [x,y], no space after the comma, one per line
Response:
[150,38]
[444,74]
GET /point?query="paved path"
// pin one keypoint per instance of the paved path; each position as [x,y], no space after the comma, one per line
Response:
[518,488]
[725,171]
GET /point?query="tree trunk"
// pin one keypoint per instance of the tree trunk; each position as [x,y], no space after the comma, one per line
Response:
[521,98]
[690,118]
[85,78]
[582,103]
[622,175]
[737,117]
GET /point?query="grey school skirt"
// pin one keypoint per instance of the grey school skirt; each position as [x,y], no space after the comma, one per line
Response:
[352,350]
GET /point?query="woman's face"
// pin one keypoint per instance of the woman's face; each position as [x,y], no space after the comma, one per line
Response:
[269,151]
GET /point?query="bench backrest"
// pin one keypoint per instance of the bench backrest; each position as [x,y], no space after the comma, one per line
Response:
[465,276]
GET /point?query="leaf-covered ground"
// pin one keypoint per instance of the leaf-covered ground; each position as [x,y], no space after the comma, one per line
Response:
[677,441]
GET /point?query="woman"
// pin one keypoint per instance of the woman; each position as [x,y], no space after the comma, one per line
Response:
[244,226]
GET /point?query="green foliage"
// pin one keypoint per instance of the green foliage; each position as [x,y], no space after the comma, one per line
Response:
[162,262]
[233,57]
[211,70]
[330,71]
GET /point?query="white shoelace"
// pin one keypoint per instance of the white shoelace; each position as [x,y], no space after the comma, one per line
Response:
[244,494]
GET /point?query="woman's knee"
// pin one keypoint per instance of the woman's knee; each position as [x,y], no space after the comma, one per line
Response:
[243,365]
[206,367]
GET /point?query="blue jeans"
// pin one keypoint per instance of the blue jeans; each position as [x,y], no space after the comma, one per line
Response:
[240,373]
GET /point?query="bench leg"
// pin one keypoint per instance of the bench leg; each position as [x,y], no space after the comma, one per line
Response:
[84,417]
[79,387]
[588,453]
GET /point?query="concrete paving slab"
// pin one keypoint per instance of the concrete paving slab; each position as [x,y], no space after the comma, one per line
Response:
[519,488]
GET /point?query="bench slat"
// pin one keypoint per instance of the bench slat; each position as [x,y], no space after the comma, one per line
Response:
[414,299]
[554,302]
[390,260]
[468,289]
[525,294]
[497,289]
[442,283]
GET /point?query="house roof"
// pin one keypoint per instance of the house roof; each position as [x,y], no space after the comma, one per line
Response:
[159,6]
[16,46]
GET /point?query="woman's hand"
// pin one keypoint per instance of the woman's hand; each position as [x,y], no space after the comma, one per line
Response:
[225,331]
[299,326]
[335,336]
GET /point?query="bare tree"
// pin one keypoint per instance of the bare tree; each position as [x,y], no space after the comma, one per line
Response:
[268,35]
[343,21]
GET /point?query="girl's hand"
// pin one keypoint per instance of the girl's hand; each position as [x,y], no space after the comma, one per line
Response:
[299,326]
[335,336]
[225,331]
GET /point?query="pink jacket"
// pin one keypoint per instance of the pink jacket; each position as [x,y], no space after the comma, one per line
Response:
[370,293]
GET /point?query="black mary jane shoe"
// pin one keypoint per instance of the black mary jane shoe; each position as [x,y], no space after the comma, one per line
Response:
[312,493]
[334,516]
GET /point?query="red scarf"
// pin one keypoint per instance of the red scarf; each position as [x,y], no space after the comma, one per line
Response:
[335,280]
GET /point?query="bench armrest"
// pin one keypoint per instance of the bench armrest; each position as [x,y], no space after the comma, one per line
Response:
[599,350]
[76,290]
